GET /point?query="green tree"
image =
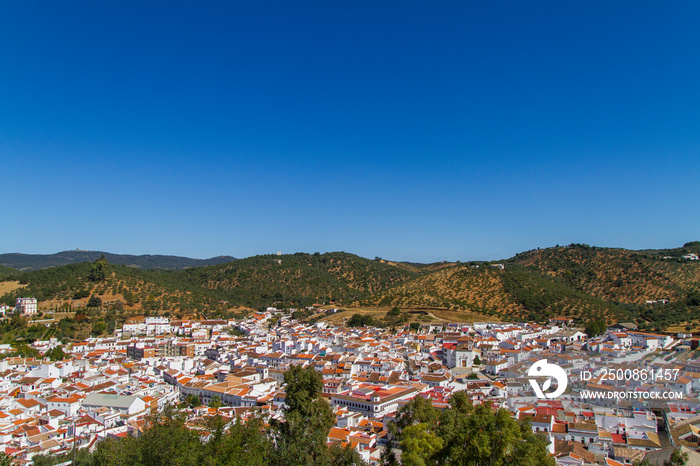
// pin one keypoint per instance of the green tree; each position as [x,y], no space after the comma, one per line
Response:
[419,445]
[360,320]
[55,354]
[98,328]
[480,436]
[302,438]
[245,443]
[466,435]
[344,456]
[94,301]
[595,327]
[26,351]
[418,410]
[80,294]
[216,402]
[98,273]
[193,401]
[168,441]
[693,299]
[17,322]
[118,452]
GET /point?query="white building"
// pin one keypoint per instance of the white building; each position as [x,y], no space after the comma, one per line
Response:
[458,355]
[375,401]
[620,338]
[650,340]
[124,404]
[26,306]
[157,325]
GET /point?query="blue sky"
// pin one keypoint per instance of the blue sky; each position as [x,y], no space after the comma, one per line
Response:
[406,130]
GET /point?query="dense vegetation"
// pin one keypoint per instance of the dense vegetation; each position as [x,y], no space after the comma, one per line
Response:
[464,434]
[655,288]
[6,272]
[359,320]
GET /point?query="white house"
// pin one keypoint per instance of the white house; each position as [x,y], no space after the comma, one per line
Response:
[457,355]
[650,340]
[26,306]
[124,404]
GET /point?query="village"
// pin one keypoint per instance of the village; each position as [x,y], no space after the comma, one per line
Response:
[629,395]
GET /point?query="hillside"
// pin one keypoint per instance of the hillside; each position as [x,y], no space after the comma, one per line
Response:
[6,272]
[577,280]
[119,287]
[489,290]
[615,275]
[300,279]
[28,262]
[290,280]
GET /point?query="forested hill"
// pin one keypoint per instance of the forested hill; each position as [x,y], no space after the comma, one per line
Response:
[579,281]
[6,271]
[285,280]
[510,293]
[618,275]
[118,287]
[28,262]
[301,278]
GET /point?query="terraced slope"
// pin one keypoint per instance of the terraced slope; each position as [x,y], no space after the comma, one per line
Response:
[119,287]
[491,291]
[615,275]
[300,278]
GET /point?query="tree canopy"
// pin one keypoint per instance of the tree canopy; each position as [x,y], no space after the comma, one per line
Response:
[595,327]
[465,434]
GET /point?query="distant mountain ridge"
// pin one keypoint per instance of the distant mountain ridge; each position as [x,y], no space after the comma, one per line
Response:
[29,262]
[656,288]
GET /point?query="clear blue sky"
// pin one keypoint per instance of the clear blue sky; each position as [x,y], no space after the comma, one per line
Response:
[408,130]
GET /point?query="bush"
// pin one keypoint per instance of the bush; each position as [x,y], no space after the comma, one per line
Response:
[94,301]
[360,320]
[80,294]
[596,327]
